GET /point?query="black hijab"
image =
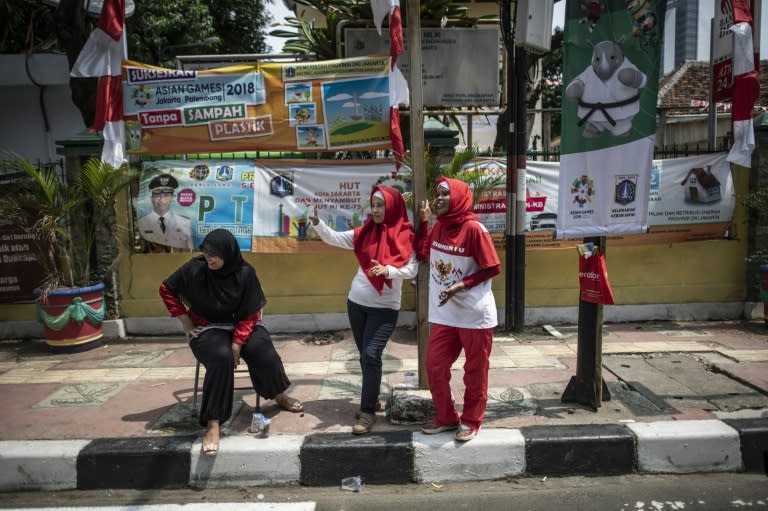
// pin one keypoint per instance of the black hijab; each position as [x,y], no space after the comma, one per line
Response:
[227,295]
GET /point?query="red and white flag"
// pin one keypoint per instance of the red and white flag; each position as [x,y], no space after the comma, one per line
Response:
[102,57]
[398,86]
[746,85]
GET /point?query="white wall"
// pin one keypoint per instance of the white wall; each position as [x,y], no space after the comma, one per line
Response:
[22,129]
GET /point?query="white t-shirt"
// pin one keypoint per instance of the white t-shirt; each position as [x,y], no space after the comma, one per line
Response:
[362,291]
[450,261]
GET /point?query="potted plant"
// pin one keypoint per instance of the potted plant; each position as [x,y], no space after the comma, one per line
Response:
[756,202]
[67,217]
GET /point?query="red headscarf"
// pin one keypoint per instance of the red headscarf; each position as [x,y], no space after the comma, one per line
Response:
[459,209]
[390,242]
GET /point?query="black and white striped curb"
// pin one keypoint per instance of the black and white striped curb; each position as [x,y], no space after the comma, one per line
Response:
[676,447]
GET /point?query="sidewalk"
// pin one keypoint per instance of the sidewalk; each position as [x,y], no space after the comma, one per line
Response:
[686,397]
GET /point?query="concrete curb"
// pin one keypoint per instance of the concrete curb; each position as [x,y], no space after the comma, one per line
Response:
[323,459]
[673,447]
[315,322]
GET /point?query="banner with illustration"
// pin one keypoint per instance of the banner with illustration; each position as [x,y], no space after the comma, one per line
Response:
[180,201]
[691,198]
[266,203]
[298,106]
[287,192]
[611,71]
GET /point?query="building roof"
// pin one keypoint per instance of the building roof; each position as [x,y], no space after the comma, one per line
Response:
[685,90]
[706,179]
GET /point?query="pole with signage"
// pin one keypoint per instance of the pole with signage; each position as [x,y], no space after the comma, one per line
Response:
[587,387]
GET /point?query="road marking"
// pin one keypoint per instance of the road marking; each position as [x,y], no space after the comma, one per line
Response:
[222,506]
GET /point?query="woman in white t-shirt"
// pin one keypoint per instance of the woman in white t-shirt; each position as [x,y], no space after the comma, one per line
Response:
[462,309]
[384,249]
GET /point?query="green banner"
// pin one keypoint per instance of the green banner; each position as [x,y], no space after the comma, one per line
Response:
[611,72]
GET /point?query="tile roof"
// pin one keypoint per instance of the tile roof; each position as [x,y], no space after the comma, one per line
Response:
[685,90]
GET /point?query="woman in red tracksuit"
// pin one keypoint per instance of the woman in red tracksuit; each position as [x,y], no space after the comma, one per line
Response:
[462,309]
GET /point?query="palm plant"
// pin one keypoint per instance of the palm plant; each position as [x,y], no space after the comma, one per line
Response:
[459,167]
[64,217]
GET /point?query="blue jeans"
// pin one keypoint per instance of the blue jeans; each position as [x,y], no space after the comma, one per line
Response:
[371,328]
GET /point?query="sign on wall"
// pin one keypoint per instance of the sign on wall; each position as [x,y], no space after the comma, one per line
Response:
[296,106]
[691,198]
[286,193]
[449,57]
[266,203]
[20,272]
[722,51]
[193,197]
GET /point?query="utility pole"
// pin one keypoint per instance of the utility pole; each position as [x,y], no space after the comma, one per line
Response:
[419,183]
[514,283]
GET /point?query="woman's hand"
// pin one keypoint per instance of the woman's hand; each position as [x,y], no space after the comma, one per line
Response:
[447,293]
[236,353]
[378,269]
[424,211]
[190,330]
[313,217]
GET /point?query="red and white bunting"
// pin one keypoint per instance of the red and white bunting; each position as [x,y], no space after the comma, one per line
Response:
[102,57]
[746,85]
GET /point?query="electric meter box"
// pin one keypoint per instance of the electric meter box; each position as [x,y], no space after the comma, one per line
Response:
[534,24]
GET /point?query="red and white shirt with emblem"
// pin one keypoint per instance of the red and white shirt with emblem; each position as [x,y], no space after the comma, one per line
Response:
[464,254]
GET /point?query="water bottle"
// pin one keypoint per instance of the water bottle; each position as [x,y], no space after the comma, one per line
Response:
[260,425]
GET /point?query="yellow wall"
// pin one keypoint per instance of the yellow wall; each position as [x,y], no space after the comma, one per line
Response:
[676,273]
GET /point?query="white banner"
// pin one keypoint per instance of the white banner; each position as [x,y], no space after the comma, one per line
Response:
[692,190]
[682,191]
[605,192]
[286,191]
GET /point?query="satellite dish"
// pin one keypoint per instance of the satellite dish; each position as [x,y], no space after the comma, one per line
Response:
[94,6]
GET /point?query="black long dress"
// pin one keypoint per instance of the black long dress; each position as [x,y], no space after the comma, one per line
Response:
[228,302]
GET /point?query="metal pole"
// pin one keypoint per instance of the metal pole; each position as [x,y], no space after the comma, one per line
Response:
[521,145]
[588,387]
[419,183]
[514,272]
[712,117]
[510,87]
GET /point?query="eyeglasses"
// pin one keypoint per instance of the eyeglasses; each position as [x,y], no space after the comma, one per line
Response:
[207,252]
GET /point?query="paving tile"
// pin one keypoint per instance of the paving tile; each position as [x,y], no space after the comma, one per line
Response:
[81,395]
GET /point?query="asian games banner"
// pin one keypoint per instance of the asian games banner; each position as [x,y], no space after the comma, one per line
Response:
[299,106]
[611,72]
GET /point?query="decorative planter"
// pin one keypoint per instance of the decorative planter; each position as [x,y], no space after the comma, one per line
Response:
[764,290]
[72,318]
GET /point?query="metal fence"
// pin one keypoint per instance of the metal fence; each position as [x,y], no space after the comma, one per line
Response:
[659,153]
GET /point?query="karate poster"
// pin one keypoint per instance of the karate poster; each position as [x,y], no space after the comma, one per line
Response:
[611,72]
[299,106]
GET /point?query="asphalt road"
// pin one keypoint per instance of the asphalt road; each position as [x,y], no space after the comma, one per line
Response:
[695,492]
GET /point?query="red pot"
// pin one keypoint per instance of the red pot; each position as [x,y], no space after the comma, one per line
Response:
[72,318]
